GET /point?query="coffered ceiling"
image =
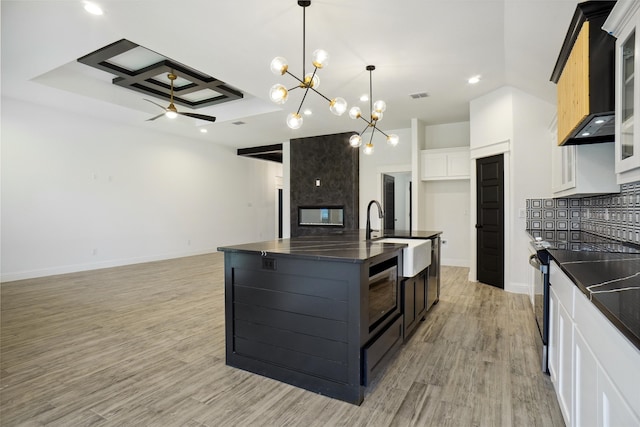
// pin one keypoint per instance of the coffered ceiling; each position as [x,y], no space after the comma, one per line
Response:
[417,46]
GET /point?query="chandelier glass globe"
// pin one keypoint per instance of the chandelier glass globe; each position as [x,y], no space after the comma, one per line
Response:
[294,120]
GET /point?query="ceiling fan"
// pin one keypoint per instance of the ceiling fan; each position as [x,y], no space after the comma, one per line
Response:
[171,111]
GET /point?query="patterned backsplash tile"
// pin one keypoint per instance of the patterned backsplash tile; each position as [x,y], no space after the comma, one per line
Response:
[615,216]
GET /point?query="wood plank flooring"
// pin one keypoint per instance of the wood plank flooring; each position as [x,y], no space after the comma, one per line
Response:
[144,345]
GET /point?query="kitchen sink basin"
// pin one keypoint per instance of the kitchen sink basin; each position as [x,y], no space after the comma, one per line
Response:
[415,257]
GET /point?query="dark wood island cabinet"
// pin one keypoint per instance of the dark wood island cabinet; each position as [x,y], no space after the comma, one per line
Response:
[314,312]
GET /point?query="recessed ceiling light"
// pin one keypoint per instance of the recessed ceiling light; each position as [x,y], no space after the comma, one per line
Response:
[473,80]
[93,8]
[599,121]
[364,98]
[203,131]
[585,134]
[308,112]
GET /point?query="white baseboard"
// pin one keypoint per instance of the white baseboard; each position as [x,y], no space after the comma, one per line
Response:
[514,288]
[517,288]
[66,269]
[455,262]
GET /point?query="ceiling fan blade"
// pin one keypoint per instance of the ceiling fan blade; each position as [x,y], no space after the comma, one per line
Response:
[156,117]
[199,116]
[154,103]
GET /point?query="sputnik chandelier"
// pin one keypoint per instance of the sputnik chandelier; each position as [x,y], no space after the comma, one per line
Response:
[279,66]
[377,108]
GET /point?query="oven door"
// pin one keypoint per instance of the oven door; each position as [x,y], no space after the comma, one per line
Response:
[541,303]
[383,296]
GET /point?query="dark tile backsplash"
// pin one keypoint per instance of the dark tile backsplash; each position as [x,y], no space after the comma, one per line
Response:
[615,216]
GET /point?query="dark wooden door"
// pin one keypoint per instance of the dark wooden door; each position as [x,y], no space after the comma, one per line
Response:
[280,200]
[490,220]
[389,185]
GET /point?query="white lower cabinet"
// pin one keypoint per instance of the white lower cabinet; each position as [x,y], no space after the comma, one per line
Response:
[613,410]
[561,341]
[585,382]
[565,363]
[594,369]
[553,336]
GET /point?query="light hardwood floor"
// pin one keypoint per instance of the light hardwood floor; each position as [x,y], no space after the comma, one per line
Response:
[144,345]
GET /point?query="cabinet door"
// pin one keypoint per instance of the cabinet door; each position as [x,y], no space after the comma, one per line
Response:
[458,165]
[565,363]
[627,103]
[553,337]
[421,295]
[612,408]
[434,165]
[408,291]
[585,383]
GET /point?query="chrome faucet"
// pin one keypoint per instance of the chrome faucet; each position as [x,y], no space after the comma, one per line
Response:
[380,215]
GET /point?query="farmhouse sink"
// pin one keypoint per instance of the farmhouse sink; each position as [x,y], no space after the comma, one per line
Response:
[415,257]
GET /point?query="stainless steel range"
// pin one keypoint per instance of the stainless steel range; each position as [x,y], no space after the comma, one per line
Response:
[540,261]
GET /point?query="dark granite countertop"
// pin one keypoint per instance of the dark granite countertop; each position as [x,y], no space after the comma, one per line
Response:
[611,281]
[348,246]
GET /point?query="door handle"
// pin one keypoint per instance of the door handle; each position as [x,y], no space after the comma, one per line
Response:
[478,226]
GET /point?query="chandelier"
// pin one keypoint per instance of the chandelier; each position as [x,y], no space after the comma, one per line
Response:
[279,66]
[377,108]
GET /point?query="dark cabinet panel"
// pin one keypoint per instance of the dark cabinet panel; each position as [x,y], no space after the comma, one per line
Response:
[409,303]
[433,276]
[414,301]
[421,294]
[307,321]
[380,349]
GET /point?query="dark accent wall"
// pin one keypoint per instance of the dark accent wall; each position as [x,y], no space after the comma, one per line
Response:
[335,163]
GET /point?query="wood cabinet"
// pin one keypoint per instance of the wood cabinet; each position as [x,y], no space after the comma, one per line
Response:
[573,86]
[593,367]
[414,301]
[307,321]
[624,24]
[584,74]
[445,163]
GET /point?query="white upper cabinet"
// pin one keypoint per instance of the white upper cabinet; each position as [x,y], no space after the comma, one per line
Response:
[581,170]
[445,163]
[624,24]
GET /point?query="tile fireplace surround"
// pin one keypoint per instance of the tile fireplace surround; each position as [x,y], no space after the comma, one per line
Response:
[614,216]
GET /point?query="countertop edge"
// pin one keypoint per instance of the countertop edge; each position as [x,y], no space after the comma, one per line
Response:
[270,247]
[602,308]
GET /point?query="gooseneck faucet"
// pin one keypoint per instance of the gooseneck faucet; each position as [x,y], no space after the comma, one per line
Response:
[380,215]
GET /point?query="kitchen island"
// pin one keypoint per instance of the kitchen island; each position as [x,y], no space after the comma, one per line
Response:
[299,310]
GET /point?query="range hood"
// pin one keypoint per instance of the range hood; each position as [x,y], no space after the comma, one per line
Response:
[585,75]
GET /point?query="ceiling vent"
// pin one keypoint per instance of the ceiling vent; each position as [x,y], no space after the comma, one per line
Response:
[419,95]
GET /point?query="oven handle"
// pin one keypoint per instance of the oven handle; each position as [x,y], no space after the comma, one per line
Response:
[534,261]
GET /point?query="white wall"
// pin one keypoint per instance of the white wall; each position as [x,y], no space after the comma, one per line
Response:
[79,194]
[385,159]
[447,135]
[447,209]
[531,173]
[446,203]
[516,124]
